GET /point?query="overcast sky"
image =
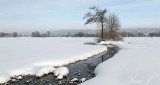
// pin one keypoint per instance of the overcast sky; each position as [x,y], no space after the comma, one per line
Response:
[32,15]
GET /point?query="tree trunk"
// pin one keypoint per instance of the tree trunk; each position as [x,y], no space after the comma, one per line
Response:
[102,31]
[112,34]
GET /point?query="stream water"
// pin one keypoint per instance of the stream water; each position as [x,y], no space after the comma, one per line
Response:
[80,69]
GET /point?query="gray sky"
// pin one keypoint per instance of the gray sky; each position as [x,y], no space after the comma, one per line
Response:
[43,15]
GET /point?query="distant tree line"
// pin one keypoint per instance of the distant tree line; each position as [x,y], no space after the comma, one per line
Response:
[14,34]
[80,34]
[123,34]
[139,34]
[38,34]
[33,34]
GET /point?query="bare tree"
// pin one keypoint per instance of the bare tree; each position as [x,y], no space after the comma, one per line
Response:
[112,25]
[2,34]
[35,34]
[98,17]
[15,34]
[80,34]
[151,34]
[68,35]
[48,34]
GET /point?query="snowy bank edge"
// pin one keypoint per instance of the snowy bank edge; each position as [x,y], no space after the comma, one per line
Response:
[42,70]
[99,67]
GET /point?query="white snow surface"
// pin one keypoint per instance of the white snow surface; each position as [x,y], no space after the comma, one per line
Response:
[112,42]
[60,72]
[37,56]
[136,63]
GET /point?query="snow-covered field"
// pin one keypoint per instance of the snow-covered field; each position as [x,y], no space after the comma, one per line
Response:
[137,63]
[20,56]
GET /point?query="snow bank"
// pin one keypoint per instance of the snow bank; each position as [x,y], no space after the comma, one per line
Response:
[43,70]
[60,72]
[21,56]
[137,63]
[112,42]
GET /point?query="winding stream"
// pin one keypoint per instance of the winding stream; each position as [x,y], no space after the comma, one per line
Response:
[81,69]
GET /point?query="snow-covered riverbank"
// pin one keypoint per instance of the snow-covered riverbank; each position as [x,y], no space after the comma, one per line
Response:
[137,63]
[20,56]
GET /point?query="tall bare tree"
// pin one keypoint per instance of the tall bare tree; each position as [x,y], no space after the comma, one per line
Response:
[112,25]
[98,16]
[15,34]
[48,34]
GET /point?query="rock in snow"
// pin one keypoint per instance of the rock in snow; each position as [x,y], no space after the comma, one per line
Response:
[60,72]
[83,79]
[60,77]
[19,77]
[74,80]
[13,80]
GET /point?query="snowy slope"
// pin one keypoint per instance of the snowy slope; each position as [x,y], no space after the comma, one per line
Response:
[137,63]
[37,55]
